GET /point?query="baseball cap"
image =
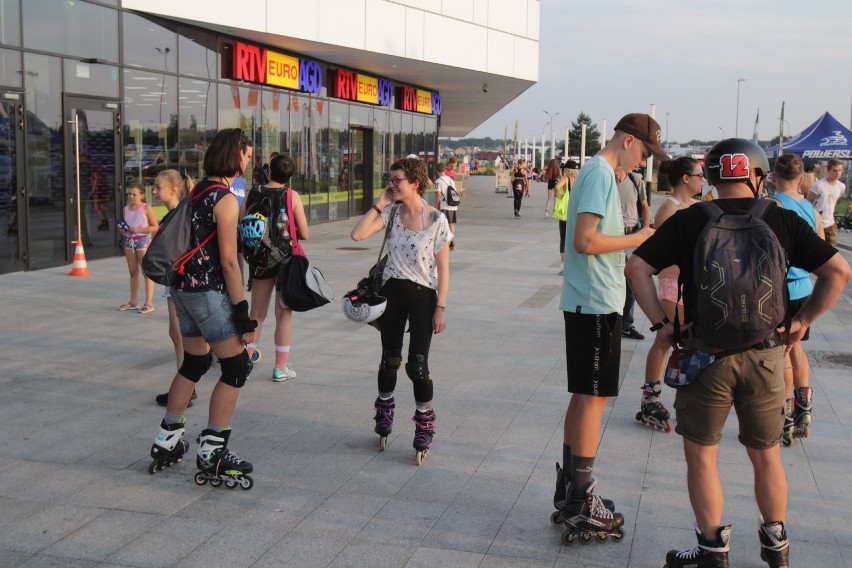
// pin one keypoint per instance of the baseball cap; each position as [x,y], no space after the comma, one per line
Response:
[646,129]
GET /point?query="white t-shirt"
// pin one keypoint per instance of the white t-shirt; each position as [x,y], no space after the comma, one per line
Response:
[827,196]
[411,255]
[441,187]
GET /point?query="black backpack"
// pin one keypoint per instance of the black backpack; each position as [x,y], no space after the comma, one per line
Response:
[171,248]
[739,272]
[452,195]
[519,184]
[271,247]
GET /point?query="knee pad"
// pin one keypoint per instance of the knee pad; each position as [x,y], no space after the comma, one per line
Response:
[391,361]
[417,368]
[236,369]
[194,366]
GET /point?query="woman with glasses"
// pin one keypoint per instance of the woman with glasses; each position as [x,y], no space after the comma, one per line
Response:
[685,177]
[415,282]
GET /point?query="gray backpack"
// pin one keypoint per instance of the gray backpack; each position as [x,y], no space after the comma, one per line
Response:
[740,272]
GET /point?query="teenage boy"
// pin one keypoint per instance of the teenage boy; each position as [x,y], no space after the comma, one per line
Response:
[824,195]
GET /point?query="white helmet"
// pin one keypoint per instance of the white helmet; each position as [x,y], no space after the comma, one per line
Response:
[363,308]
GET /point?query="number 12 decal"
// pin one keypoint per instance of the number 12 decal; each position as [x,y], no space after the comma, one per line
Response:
[734,166]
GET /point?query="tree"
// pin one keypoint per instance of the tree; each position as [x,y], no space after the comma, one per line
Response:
[593,136]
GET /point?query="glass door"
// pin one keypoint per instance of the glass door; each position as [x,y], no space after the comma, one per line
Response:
[13,226]
[360,164]
[100,189]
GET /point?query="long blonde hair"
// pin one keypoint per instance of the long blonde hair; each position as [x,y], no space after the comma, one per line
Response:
[182,182]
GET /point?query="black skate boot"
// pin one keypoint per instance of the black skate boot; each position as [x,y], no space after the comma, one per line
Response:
[217,463]
[585,516]
[652,412]
[802,411]
[560,498]
[169,446]
[774,546]
[424,430]
[384,420]
[789,424]
[708,554]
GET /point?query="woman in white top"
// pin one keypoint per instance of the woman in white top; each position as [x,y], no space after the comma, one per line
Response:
[685,177]
[415,282]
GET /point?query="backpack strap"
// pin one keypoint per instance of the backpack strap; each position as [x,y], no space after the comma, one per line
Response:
[759,207]
[710,209]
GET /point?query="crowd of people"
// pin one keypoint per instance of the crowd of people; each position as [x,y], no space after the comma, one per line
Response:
[611,250]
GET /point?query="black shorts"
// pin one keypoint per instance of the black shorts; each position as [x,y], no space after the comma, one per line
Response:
[551,183]
[258,273]
[793,308]
[450,214]
[593,353]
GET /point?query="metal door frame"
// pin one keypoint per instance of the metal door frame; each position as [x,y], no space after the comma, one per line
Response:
[367,161]
[17,100]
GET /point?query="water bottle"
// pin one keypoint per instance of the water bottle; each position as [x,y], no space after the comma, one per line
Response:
[283,223]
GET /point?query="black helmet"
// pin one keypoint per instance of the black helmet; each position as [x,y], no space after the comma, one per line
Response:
[734,159]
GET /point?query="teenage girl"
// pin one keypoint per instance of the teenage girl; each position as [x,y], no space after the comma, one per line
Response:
[140,224]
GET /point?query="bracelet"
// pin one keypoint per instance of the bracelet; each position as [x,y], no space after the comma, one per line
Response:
[442,307]
[376,208]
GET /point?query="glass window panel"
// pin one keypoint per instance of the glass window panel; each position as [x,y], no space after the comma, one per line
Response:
[197,110]
[319,152]
[418,125]
[71,28]
[339,162]
[91,78]
[381,145]
[10,68]
[273,129]
[10,22]
[407,140]
[301,145]
[198,54]
[149,44]
[360,115]
[396,150]
[430,143]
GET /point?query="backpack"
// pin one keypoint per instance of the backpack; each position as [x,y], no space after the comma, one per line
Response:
[739,272]
[519,184]
[171,248]
[261,242]
[451,194]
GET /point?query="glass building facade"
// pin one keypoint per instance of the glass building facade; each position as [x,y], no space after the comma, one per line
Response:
[94,98]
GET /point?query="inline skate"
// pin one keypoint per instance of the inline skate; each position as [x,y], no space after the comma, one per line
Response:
[587,517]
[789,424]
[802,411]
[384,420]
[560,498]
[169,446]
[424,430]
[774,546]
[652,412]
[707,554]
[217,463]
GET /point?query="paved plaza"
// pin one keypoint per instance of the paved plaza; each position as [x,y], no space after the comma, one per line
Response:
[77,418]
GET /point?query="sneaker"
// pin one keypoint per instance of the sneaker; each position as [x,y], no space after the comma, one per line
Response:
[284,374]
[631,333]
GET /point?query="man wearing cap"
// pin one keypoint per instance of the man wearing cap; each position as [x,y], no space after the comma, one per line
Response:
[593,292]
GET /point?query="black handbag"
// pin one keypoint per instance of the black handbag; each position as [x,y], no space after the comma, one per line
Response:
[302,287]
[372,284]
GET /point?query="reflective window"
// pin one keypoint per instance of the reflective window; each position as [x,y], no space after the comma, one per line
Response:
[10,68]
[302,145]
[198,120]
[339,163]
[430,140]
[91,78]
[149,44]
[274,129]
[72,28]
[198,54]
[10,22]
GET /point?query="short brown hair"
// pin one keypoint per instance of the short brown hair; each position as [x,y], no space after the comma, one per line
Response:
[788,167]
[414,171]
[222,158]
[834,162]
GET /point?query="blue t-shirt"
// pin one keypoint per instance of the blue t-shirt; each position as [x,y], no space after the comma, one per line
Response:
[799,283]
[238,188]
[594,283]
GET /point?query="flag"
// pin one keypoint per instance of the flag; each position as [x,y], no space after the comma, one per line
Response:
[756,119]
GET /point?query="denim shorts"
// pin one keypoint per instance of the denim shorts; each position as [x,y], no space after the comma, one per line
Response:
[204,314]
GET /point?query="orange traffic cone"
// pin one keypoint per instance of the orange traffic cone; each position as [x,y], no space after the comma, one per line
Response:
[79,268]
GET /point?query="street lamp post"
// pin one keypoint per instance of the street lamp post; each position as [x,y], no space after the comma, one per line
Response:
[667,131]
[723,132]
[552,145]
[737,126]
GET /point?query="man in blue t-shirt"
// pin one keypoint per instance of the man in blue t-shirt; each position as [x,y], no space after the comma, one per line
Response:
[593,293]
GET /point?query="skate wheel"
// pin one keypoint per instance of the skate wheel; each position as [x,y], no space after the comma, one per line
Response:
[420,457]
[639,417]
[383,442]
[617,535]
[601,537]
[215,482]
[584,538]
[247,482]
[230,484]
[200,479]
[556,518]
[568,537]
[152,469]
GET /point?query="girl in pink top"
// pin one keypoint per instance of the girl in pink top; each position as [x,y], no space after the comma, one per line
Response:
[137,228]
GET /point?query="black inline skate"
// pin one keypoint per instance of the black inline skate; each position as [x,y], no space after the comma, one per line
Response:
[217,463]
[587,517]
[169,446]
[789,424]
[708,553]
[424,430]
[652,412]
[384,420]
[560,498]
[774,546]
[802,411]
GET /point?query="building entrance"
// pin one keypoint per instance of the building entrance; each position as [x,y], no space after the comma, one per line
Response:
[13,228]
[360,164]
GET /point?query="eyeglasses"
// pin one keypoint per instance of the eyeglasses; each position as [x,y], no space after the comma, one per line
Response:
[395,181]
[701,175]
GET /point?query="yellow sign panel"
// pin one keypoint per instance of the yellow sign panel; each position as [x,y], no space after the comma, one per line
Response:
[368,89]
[424,101]
[282,70]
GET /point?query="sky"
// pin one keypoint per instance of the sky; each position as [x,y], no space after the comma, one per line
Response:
[609,58]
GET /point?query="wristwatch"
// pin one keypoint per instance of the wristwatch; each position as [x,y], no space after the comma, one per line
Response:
[660,324]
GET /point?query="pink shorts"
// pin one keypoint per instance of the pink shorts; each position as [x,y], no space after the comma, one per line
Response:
[667,289]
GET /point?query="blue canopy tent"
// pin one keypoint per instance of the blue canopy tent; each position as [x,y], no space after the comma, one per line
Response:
[826,138]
